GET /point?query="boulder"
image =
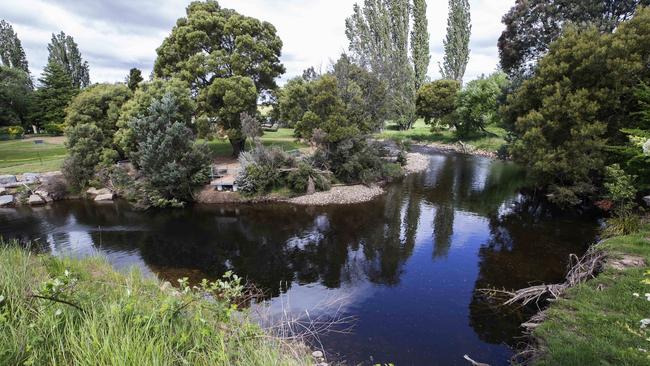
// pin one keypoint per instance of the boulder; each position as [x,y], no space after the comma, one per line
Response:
[7,179]
[105,197]
[98,192]
[44,195]
[31,177]
[3,191]
[646,199]
[6,200]
[35,200]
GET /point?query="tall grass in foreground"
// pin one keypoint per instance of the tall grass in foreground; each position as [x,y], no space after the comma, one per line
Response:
[59,311]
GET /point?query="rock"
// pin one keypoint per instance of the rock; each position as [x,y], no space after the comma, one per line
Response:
[311,187]
[45,195]
[105,197]
[6,200]
[98,192]
[3,191]
[646,199]
[317,354]
[31,177]
[35,199]
[7,179]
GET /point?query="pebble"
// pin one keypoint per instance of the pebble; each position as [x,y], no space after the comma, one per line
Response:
[339,195]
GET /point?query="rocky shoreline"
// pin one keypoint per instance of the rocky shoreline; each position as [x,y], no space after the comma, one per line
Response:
[458,148]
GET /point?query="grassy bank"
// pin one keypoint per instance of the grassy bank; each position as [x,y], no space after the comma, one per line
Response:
[282,138]
[81,312]
[599,322]
[23,156]
[421,133]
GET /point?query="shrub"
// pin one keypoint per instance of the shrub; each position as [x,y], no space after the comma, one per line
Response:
[84,143]
[298,180]
[260,169]
[12,132]
[437,100]
[54,129]
[166,154]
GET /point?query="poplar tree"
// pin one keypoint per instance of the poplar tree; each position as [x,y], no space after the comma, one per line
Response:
[379,33]
[12,53]
[420,42]
[456,43]
[65,52]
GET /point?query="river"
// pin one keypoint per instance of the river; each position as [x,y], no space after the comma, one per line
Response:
[405,266]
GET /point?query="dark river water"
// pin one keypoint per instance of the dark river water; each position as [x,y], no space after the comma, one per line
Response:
[406,266]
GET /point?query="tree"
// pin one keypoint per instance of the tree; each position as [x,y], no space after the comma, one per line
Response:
[16,97]
[437,100]
[134,78]
[567,119]
[139,105]
[363,93]
[292,102]
[478,103]
[420,42]
[12,53]
[91,120]
[166,154]
[378,35]
[85,147]
[456,43]
[211,45]
[228,98]
[64,51]
[532,25]
[53,95]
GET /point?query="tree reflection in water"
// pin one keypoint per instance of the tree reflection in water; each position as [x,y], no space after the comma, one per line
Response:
[408,263]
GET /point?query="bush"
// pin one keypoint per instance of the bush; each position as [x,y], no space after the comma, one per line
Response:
[437,100]
[355,160]
[54,129]
[12,132]
[85,144]
[260,170]
[166,155]
[298,180]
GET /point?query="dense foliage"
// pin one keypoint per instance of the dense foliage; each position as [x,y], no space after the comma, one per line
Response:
[91,121]
[477,104]
[16,97]
[436,101]
[567,120]
[166,155]
[292,101]
[225,57]
[459,29]
[55,91]
[137,106]
[65,52]
[134,78]
[532,25]
[12,54]
[379,33]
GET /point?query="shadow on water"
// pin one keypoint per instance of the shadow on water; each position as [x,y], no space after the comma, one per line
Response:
[406,265]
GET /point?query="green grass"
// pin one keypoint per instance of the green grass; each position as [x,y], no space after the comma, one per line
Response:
[282,138]
[598,323]
[118,319]
[421,132]
[19,156]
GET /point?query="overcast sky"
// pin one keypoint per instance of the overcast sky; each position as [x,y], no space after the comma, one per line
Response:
[116,35]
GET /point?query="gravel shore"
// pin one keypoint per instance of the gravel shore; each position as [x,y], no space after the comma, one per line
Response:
[416,163]
[467,149]
[339,195]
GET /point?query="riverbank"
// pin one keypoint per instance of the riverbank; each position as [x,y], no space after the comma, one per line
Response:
[606,318]
[81,312]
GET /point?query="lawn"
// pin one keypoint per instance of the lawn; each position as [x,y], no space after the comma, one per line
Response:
[421,132]
[282,138]
[599,322]
[24,156]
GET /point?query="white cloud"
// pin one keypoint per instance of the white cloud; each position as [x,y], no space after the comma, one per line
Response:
[117,35]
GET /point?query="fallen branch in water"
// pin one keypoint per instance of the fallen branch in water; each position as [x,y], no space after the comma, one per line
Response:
[580,270]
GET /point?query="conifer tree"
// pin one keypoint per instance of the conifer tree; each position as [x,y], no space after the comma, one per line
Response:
[54,94]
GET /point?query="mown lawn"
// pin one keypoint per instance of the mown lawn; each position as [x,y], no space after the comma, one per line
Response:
[62,311]
[24,156]
[421,132]
[599,322]
[282,138]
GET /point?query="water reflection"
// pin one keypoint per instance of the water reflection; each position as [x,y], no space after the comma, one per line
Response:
[406,265]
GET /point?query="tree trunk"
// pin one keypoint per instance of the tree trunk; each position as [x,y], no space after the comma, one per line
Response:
[237,146]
